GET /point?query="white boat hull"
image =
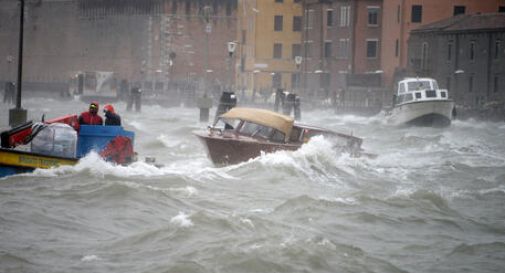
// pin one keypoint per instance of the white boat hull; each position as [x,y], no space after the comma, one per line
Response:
[435,113]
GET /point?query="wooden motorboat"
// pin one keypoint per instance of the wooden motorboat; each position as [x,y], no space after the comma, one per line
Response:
[244,133]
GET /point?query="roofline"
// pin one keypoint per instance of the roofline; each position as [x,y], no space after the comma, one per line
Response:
[443,31]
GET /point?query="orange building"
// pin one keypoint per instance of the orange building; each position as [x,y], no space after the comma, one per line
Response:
[269,37]
[401,16]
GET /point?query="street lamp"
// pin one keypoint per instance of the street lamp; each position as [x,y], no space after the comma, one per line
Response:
[255,72]
[456,94]
[298,62]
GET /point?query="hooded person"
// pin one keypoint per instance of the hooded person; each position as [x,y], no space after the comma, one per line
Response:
[91,117]
[111,118]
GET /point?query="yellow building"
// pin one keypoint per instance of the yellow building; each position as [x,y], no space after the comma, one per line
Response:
[269,36]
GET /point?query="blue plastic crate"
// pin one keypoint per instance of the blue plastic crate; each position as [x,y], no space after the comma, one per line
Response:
[96,137]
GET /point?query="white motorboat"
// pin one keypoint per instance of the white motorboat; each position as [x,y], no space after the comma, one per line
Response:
[420,102]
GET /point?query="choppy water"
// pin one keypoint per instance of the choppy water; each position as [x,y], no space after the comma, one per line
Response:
[433,201]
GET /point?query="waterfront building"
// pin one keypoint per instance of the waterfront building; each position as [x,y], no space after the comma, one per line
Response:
[466,54]
[269,37]
[402,16]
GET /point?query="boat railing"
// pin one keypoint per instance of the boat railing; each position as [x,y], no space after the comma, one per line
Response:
[422,95]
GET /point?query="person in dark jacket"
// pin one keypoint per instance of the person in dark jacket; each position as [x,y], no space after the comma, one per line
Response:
[91,117]
[111,118]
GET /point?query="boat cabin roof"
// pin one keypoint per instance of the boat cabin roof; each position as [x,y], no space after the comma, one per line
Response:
[263,117]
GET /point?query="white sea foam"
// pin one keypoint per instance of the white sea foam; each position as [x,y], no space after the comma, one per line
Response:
[90,258]
[168,142]
[96,166]
[247,221]
[181,220]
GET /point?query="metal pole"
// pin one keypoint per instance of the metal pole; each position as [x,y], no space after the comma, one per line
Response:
[20,55]
[18,115]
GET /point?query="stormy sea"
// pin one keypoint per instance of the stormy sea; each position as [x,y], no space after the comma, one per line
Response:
[432,201]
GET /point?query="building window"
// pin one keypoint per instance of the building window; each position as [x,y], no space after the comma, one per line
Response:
[297,23]
[373,16]
[417,14]
[424,56]
[277,80]
[472,51]
[296,50]
[398,14]
[449,51]
[495,84]
[174,7]
[278,23]
[497,47]
[277,51]
[295,80]
[501,9]
[459,10]
[309,14]
[279,1]
[187,8]
[343,49]
[397,48]
[345,16]
[325,80]
[371,48]
[327,49]
[470,84]
[308,49]
[329,17]
[228,9]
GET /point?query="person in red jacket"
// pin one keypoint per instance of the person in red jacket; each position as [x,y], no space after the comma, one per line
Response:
[91,117]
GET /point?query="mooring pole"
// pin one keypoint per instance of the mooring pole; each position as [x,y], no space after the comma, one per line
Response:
[17,115]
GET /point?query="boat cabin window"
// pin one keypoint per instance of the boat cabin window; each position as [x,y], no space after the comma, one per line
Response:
[431,93]
[418,95]
[296,134]
[265,132]
[401,88]
[419,85]
[278,136]
[227,124]
[443,94]
[405,97]
[253,129]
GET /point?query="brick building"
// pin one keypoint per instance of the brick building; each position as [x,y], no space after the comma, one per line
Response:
[152,41]
[342,41]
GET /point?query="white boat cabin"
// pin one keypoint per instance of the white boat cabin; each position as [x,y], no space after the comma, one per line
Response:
[419,89]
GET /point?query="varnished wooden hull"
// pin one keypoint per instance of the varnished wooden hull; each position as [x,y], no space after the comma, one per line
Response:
[231,150]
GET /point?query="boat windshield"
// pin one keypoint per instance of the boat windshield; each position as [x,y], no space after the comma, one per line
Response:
[421,85]
[256,130]
[226,123]
[253,129]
